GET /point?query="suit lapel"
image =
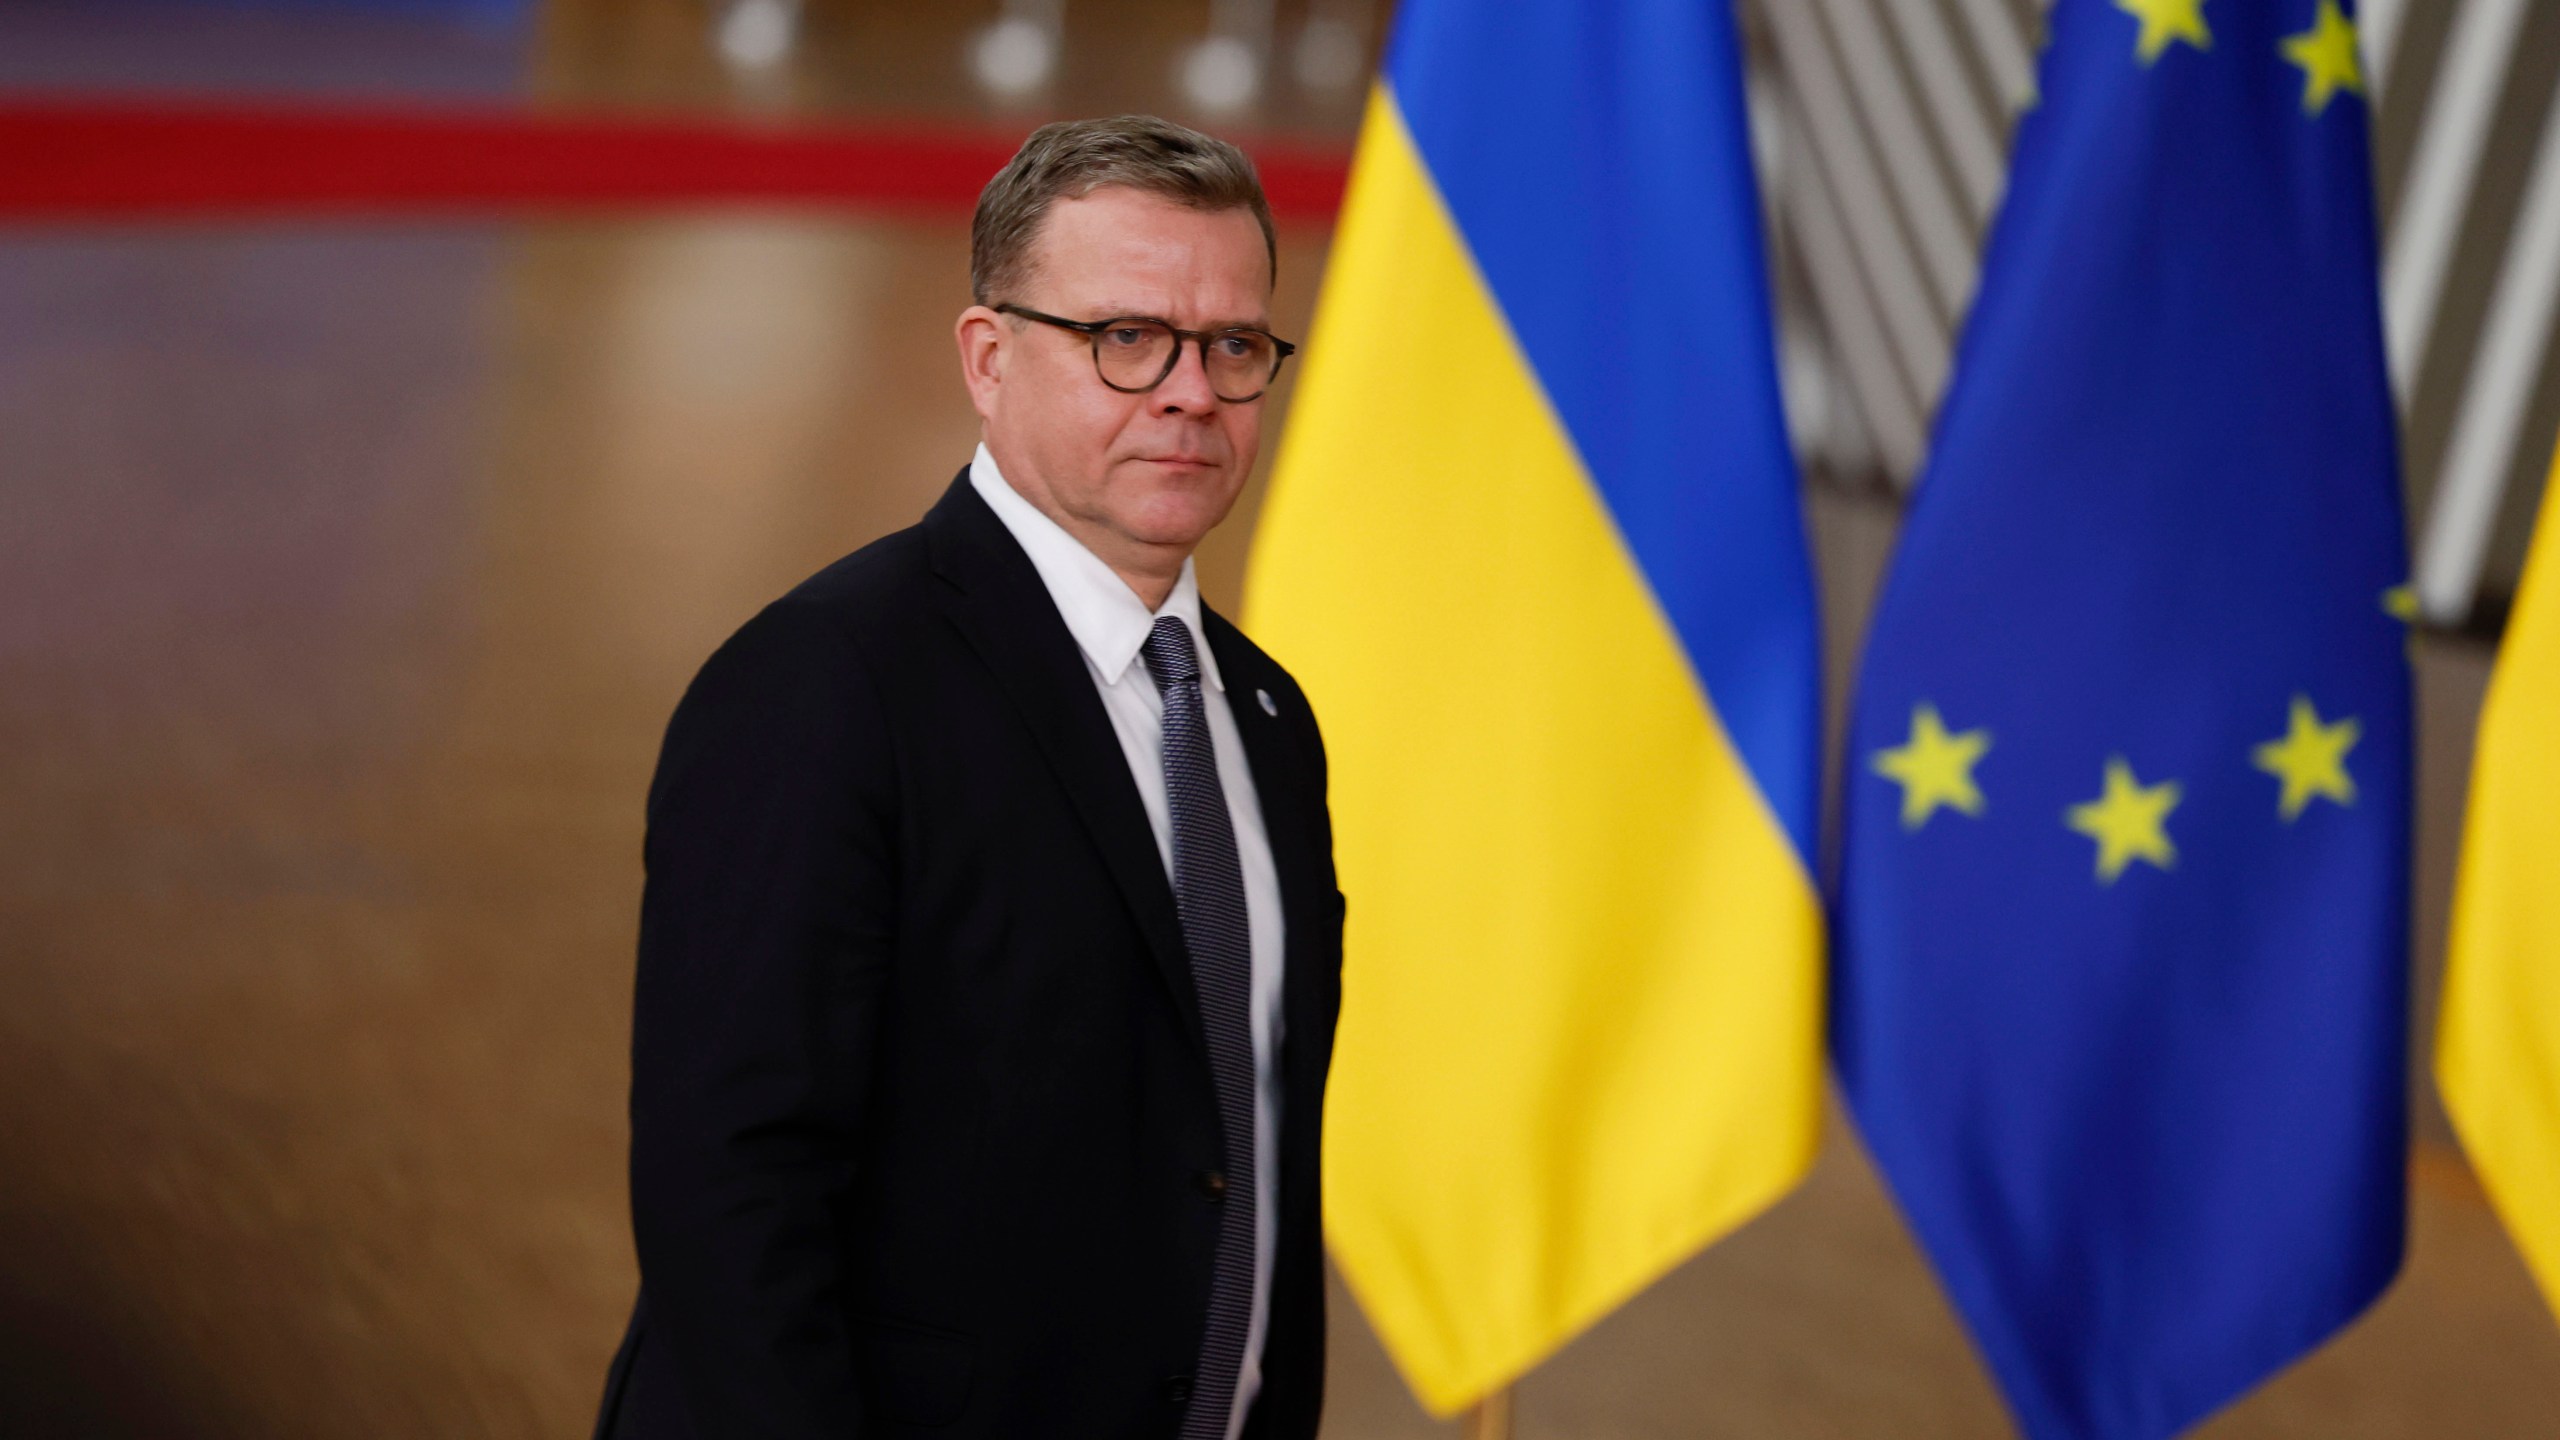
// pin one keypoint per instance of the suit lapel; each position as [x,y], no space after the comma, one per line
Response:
[1000,606]
[1283,783]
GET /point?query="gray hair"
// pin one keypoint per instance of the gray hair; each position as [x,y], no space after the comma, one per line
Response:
[1074,158]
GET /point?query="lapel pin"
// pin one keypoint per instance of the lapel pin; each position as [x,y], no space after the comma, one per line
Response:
[1269,706]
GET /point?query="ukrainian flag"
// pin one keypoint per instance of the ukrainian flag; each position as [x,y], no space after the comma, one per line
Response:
[2122,984]
[1534,547]
[2498,1057]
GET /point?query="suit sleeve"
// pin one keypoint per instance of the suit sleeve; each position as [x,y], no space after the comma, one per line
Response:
[765,936]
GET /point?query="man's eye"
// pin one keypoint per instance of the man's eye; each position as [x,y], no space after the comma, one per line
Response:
[1236,347]
[1131,336]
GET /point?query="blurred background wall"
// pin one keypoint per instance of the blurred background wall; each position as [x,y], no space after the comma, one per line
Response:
[350,564]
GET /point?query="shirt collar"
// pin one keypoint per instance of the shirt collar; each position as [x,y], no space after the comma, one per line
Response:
[1108,620]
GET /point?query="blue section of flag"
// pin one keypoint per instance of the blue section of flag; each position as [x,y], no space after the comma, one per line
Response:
[2150,1127]
[1596,157]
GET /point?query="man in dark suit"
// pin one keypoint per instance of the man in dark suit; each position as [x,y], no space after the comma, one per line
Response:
[991,947]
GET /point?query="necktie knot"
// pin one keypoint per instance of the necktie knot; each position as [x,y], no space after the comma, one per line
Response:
[1169,654]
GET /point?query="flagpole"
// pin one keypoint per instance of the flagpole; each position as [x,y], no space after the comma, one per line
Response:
[1491,1419]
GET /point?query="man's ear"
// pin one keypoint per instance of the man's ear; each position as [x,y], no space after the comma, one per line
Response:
[981,334]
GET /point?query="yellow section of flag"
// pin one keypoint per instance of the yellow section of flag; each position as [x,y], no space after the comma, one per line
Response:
[2498,1052]
[1582,995]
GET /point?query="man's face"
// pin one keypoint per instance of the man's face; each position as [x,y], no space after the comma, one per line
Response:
[1138,478]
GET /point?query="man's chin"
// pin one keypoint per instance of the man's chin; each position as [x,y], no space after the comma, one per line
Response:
[1173,536]
[1179,516]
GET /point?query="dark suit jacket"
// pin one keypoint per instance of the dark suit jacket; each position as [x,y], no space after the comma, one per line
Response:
[922,1126]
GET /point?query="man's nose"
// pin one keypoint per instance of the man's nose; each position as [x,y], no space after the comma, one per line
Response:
[1187,389]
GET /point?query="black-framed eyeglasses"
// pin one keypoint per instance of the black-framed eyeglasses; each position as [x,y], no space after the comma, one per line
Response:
[1134,353]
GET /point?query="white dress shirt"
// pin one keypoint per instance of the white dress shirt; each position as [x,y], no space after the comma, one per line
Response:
[1110,624]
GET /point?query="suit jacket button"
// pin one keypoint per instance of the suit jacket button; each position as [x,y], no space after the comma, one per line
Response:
[1213,1183]
[1177,1388]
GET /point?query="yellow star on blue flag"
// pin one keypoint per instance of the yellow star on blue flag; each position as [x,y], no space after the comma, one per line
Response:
[2326,54]
[2129,820]
[1934,768]
[2167,22]
[2310,760]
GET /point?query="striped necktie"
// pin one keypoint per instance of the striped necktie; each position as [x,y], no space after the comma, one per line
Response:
[1208,891]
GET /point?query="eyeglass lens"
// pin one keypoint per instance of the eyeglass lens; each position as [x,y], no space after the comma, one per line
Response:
[1136,354]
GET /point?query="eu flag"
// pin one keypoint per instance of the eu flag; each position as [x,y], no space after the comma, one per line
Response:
[2121,967]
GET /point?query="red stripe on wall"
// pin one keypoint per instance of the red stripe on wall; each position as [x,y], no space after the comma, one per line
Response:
[105,159]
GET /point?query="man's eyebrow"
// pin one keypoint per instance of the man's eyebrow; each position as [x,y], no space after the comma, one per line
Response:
[1140,313]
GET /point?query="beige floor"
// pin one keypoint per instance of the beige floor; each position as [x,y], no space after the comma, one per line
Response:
[342,599]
